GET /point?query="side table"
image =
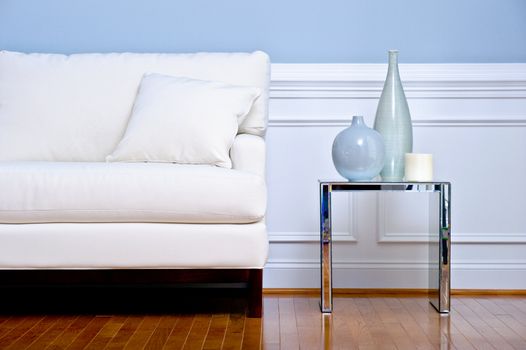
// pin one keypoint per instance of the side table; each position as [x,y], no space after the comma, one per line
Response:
[440,248]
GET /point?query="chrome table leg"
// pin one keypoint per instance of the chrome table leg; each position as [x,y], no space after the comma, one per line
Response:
[441,298]
[326,247]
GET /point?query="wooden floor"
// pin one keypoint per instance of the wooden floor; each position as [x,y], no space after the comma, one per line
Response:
[289,322]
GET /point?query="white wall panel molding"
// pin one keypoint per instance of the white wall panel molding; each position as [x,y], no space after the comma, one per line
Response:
[371,72]
[482,274]
[422,121]
[472,117]
[276,237]
[386,236]
[514,264]
[456,237]
[314,236]
[489,238]
[431,81]
[369,265]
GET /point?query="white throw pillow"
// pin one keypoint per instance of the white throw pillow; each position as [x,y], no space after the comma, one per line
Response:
[183,120]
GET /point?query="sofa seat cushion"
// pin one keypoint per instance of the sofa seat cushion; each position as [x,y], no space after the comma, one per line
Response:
[132,245]
[45,192]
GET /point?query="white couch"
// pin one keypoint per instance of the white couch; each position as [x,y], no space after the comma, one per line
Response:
[63,207]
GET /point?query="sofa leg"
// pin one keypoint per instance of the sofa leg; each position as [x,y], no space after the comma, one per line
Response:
[255,293]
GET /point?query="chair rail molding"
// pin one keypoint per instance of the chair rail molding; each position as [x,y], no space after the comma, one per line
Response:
[472,117]
[421,81]
[493,80]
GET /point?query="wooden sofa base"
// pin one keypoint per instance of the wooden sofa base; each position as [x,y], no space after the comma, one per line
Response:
[141,277]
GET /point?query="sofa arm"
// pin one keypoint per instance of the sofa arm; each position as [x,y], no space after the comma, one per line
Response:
[248,154]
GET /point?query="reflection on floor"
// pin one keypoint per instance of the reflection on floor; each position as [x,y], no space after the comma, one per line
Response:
[197,319]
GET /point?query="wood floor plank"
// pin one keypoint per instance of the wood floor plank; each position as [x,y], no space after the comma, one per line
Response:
[384,312]
[318,319]
[506,313]
[252,334]
[429,322]
[458,339]
[216,332]
[397,333]
[196,337]
[436,329]
[124,334]
[162,332]
[439,329]
[33,333]
[308,323]
[512,323]
[271,322]
[69,334]
[9,324]
[416,333]
[381,337]
[180,332]
[143,332]
[236,326]
[234,332]
[337,328]
[491,306]
[347,326]
[473,335]
[107,333]
[19,330]
[520,303]
[289,322]
[52,333]
[3,321]
[89,332]
[490,334]
[510,307]
[509,334]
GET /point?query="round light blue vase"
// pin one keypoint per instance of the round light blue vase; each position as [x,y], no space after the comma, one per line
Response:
[358,151]
[393,122]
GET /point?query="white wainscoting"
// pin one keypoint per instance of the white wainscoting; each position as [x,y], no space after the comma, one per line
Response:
[472,117]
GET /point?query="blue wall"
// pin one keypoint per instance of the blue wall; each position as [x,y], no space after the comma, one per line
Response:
[289,30]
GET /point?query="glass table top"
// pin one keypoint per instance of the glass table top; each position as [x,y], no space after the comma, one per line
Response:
[339,181]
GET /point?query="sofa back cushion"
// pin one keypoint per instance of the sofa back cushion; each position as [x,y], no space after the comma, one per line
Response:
[76,108]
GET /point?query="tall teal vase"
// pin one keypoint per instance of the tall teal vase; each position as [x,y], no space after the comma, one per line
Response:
[393,122]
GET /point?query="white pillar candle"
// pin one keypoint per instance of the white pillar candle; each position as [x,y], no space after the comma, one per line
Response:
[418,167]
